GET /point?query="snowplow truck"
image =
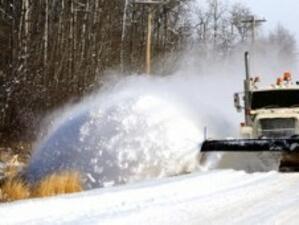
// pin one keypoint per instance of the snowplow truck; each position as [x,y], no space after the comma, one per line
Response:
[271,120]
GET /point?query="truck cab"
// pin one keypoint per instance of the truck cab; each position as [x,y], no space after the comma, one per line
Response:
[273,112]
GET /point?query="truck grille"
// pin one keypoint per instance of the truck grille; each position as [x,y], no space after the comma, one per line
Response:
[277,127]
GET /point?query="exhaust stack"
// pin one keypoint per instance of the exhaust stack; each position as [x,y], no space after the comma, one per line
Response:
[247,90]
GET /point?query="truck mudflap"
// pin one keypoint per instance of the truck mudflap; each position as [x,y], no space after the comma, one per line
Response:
[288,145]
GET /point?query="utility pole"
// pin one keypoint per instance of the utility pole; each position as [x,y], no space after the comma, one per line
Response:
[254,22]
[215,26]
[150,4]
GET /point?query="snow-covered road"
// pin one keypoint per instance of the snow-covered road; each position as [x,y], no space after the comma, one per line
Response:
[217,197]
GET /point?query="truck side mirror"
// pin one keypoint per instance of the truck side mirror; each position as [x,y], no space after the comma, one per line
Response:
[237,102]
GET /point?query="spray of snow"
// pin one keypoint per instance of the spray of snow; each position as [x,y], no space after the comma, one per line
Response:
[142,127]
[137,128]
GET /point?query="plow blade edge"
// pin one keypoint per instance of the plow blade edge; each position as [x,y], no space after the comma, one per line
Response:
[251,145]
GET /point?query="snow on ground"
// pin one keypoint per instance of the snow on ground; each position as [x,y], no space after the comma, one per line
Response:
[215,197]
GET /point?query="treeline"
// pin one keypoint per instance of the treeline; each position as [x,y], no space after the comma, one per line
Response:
[54,51]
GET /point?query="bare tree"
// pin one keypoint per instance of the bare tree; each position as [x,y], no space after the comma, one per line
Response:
[239,12]
[283,46]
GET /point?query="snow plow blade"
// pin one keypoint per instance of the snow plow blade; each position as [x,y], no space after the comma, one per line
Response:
[251,145]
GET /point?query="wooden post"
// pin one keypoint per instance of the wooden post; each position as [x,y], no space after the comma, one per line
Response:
[149,42]
[151,4]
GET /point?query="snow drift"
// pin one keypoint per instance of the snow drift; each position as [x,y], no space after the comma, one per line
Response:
[215,197]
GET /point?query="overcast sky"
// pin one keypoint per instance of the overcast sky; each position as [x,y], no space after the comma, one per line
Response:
[285,12]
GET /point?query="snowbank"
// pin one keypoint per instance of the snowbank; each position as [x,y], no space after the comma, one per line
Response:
[218,197]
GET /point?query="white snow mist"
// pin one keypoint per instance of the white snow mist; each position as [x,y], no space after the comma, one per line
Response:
[139,128]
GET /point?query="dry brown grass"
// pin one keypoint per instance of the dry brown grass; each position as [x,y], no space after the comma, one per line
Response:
[14,189]
[60,183]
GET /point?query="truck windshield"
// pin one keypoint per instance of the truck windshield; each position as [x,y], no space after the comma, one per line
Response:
[275,99]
